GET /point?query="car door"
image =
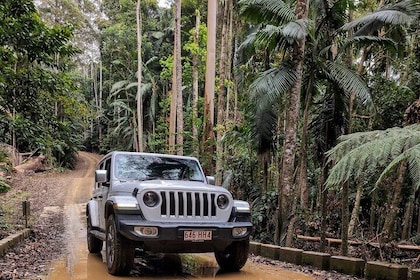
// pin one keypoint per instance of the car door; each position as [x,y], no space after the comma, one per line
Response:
[101,191]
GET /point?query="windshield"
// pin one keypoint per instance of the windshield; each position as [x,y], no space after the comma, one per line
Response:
[149,167]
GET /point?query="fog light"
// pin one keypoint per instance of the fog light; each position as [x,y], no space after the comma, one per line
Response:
[239,231]
[146,231]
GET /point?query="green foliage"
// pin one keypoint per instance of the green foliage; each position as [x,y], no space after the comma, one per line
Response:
[38,95]
[374,152]
[263,213]
[401,13]
[391,100]
[4,186]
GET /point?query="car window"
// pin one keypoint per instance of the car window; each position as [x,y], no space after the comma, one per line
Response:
[149,167]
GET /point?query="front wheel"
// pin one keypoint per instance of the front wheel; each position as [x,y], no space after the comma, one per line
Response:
[119,250]
[234,256]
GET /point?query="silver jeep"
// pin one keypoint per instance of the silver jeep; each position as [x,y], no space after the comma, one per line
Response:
[163,204]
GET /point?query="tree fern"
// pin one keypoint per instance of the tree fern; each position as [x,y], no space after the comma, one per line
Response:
[412,156]
[374,151]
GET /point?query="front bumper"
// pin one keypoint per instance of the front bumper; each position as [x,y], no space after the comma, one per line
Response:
[170,236]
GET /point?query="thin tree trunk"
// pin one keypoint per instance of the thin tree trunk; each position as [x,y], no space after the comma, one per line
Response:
[356,207]
[418,215]
[393,209]
[178,84]
[408,216]
[174,93]
[100,103]
[139,146]
[172,121]
[289,148]
[208,134]
[372,216]
[221,118]
[345,220]
[324,196]
[303,174]
[195,86]
[229,46]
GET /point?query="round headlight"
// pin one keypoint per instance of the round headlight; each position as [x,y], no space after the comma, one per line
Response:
[222,201]
[151,199]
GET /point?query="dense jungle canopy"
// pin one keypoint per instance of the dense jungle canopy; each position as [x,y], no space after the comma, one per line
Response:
[300,107]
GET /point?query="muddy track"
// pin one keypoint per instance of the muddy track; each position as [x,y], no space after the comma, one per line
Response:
[57,247]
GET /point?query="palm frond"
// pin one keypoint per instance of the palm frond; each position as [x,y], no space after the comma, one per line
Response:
[270,36]
[131,85]
[373,151]
[347,80]
[367,41]
[118,86]
[274,12]
[412,156]
[250,39]
[402,13]
[296,30]
[272,84]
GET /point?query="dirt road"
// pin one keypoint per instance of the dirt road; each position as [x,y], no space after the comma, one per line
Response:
[79,264]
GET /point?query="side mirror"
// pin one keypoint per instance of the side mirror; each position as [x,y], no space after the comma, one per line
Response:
[210,180]
[100,176]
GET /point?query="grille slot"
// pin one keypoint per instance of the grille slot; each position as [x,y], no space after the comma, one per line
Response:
[179,204]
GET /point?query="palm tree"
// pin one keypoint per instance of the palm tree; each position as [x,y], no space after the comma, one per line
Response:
[383,28]
[373,31]
[276,82]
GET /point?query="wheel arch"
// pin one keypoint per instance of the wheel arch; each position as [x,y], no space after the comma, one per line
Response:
[92,211]
[109,210]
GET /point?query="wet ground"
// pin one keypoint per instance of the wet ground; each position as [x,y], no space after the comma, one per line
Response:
[79,264]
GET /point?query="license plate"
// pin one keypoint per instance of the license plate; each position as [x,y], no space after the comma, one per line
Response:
[197,235]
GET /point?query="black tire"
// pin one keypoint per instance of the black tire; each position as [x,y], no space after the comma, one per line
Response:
[119,250]
[234,256]
[94,244]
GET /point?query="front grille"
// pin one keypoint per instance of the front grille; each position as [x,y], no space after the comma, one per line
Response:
[179,204]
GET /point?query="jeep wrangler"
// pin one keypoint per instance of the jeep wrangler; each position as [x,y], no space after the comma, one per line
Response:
[163,204]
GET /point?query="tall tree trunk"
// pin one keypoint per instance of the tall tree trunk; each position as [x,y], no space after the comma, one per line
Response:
[418,215]
[324,198]
[172,120]
[356,207]
[393,209]
[221,118]
[229,52]
[178,78]
[139,146]
[208,134]
[195,86]
[100,102]
[303,165]
[292,119]
[408,216]
[345,219]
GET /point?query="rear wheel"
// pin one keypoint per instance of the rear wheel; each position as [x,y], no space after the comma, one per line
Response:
[94,244]
[234,256]
[119,250]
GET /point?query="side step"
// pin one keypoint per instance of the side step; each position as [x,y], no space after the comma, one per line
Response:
[98,234]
